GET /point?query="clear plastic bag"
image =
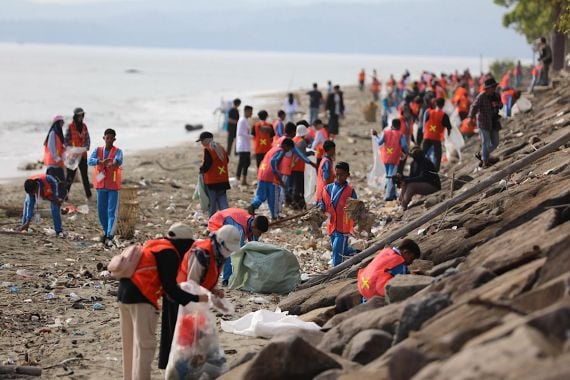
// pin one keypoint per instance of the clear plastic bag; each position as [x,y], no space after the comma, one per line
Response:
[310,182]
[454,142]
[72,155]
[195,350]
[377,176]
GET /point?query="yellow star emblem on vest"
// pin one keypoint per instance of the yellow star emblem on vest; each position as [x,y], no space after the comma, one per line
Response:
[221,170]
[433,128]
[365,283]
[389,150]
[263,167]
[263,142]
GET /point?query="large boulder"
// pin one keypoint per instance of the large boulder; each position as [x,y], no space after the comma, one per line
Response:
[462,282]
[315,297]
[545,294]
[442,267]
[367,345]
[320,316]
[347,298]
[371,304]
[404,286]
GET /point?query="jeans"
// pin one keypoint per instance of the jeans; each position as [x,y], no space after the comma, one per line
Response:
[489,142]
[227,269]
[55,214]
[313,114]
[84,177]
[298,189]
[267,191]
[108,208]
[59,174]
[390,188]
[218,200]
[243,164]
[340,247]
[426,145]
[508,106]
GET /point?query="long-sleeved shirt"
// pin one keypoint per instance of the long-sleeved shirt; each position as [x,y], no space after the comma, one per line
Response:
[67,138]
[326,170]
[403,142]
[336,191]
[319,139]
[199,262]
[487,108]
[29,210]
[275,161]
[52,146]
[279,127]
[243,235]
[94,160]
[423,170]
[398,269]
[243,137]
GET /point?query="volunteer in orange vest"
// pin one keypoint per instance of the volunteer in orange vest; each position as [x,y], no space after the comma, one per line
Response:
[436,123]
[321,135]
[249,227]
[279,125]
[77,135]
[269,178]
[139,296]
[388,263]
[375,88]
[298,170]
[361,79]
[463,104]
[107,161]
[334,198]
[263,134]
[467,128]
[41,186]
[536,74]
[53,154]
[392,144]
[214,169]
[508,98]
[505,81]
[325,172]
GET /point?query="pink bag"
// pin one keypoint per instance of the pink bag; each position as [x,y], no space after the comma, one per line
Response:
[125,264]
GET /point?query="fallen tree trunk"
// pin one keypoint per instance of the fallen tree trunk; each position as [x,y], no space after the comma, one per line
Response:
[438,210]
[20,370]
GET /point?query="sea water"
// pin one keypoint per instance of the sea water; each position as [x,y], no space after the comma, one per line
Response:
[148,95]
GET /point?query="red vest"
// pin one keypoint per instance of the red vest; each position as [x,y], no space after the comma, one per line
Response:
[505,94]
[241,216]
[286,165]
[78,139]
[467,127]
[434,128]
[264,173]
[463,104]
[112,180]
[505,81]
[146,276]
[46,191]
[319,148]
[213,272]
[218,172]
[261,140]
[321,183]
[49,159]
[298,164]
[372,279]
[391,150]
[339,219]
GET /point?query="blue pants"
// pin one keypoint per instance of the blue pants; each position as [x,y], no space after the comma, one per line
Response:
[267,191]
[55,214]
[108,208]
[340,247]
[489,142]
[218,200]
[227,269]
[313,114]
[508,106]
[390,188]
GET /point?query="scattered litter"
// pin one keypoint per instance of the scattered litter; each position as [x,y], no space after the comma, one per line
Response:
[23,273]
[258,300]
[49,296]
[14,289]
[98,306]
[421,231]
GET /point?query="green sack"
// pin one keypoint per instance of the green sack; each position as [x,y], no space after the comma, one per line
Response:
[264,268]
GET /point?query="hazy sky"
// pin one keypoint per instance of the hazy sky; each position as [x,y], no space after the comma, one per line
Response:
[410,27]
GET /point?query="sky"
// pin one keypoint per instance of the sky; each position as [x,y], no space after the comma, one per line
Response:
[393,27]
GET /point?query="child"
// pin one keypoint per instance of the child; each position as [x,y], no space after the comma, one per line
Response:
[325,172]
[42,186]
[334,198]
[107,161]
[214,169]
[392,143]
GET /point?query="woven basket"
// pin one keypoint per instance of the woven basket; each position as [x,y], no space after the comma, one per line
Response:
[128,212]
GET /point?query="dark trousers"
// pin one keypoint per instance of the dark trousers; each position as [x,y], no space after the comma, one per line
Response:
[258,158]
[232,128]
[59,175]
[298,190]
[84,177]
[243,164]
[427,144]
[169,316]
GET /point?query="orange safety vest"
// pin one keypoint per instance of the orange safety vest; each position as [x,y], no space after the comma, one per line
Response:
[321,183]
[240,216]
[298,164]
[505,81]
[218,172]
[264,173]
[391,150]
[361,76]
[375,86]
[339,219]
[275,124]
[213,272]
[49,159]
[319,148]
[262,139]
[459,92]
[78,139]
[463,104]
[507,93]
[467,127]
[434,130]
[391,82]
[146,277]
[373,278]
[286,165]
[113,176]
[440,92]
[46,191]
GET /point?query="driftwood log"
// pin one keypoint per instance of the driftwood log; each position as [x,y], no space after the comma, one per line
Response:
[20,370]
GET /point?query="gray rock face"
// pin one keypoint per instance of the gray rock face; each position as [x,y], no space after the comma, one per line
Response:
[371,304]
[441,268]
[403,286]
[367,345]
[323,295]
[417,312]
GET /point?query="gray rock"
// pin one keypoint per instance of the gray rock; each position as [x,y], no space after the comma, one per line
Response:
[403,286]
[371,304]
[322,295]
[347,298]
[418,311]
[441,268]
[405,363]
[367,345]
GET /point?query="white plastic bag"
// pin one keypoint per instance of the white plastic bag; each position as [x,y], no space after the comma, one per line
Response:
[522,105]
[72,155]
[448,107]
[201,194]
[310,182]
[195,348]
[377,176]
[454,142]
[266,324]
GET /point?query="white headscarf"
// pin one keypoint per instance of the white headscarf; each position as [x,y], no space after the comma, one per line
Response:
[216,147]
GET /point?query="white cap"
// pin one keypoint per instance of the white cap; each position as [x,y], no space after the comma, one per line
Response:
[229,238]
[302,130]
[180,231]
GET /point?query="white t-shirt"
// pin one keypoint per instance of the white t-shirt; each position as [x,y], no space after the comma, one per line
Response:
[243,135]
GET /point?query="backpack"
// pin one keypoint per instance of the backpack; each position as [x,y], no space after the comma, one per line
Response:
[125,264]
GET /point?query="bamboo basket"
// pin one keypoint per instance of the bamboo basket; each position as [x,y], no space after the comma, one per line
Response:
[128,212]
